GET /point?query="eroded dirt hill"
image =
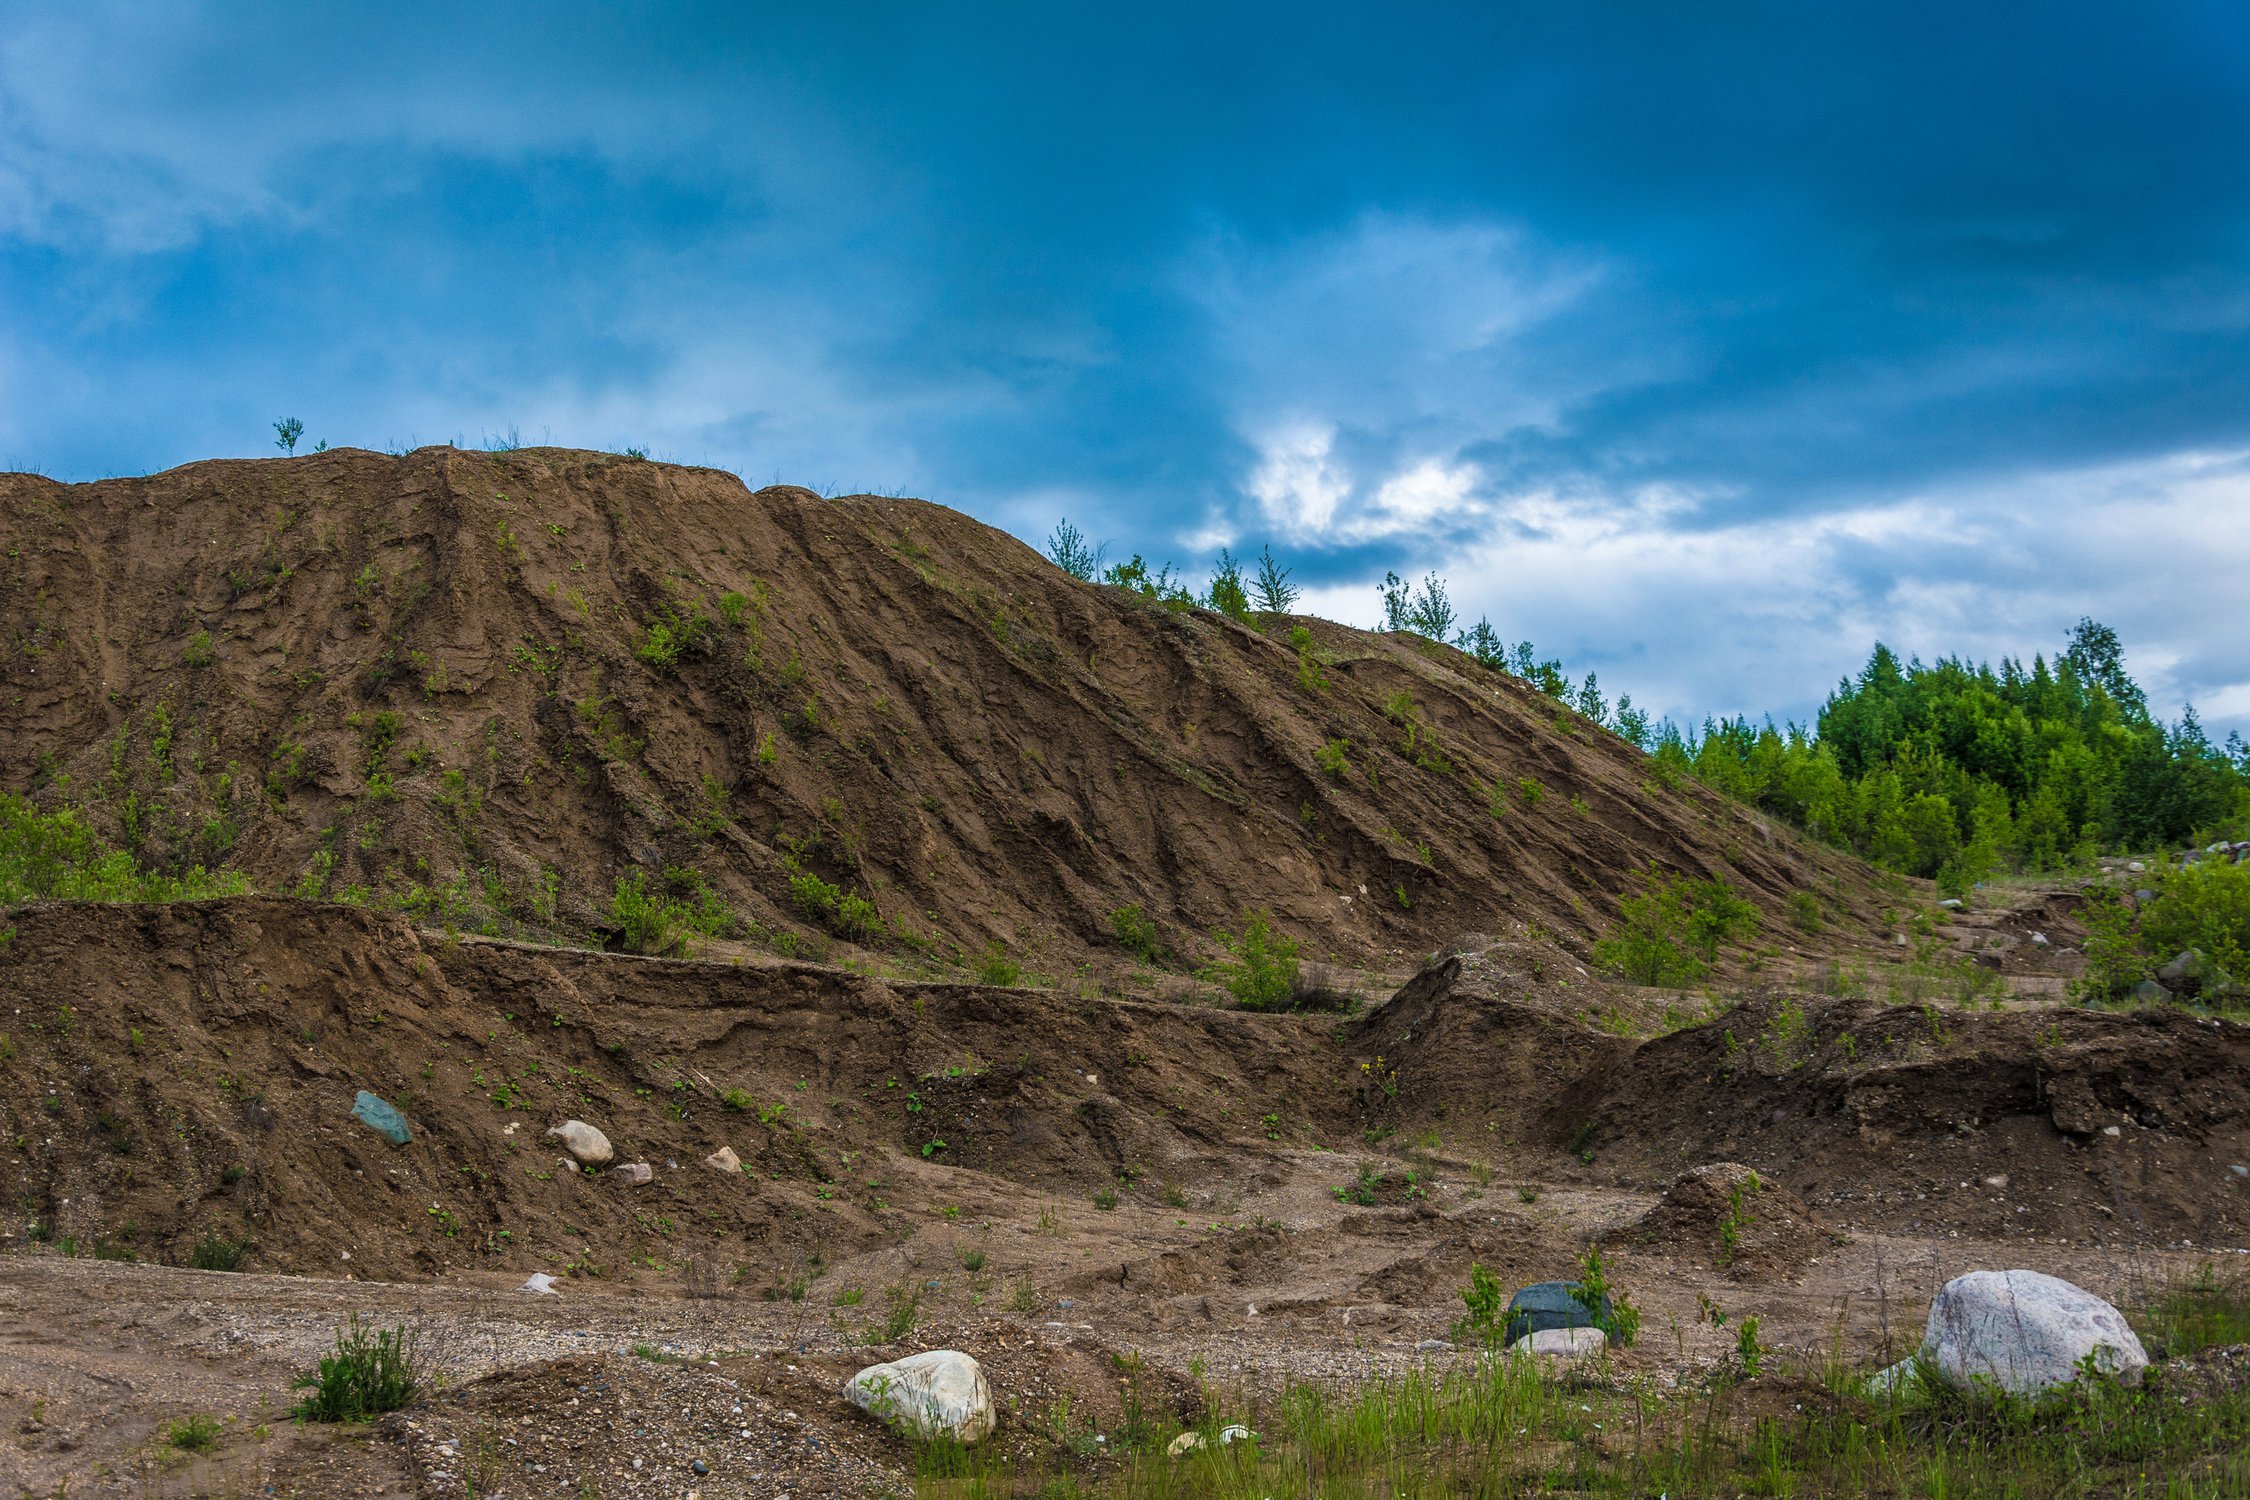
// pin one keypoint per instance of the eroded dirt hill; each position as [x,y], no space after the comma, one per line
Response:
[176,1071]
[499,682]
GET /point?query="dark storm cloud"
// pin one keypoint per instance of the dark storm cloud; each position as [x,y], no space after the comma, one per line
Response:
[1706,343]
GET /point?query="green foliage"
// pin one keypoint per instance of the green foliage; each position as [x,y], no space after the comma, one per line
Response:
[198,651]
[1226,594]
[1951,771]
[1505,1427]
[2203,908]
[1804,911]
[676,632]
[1262,972]
[370,1373]
[994,966]
[1271,590]
[217,1252]
[1072,553]
[902,1310]
[1162,586]
[1132,927]
[1623,1320]
[844,913]
[1310,660]
[286,433]
[1425,609]
[1672,932]
[1334,757]
[1362,1189]
[1486,1298]
[666,920]
[56,857]
[1748,1352]
[196,1433]
[2204,1310]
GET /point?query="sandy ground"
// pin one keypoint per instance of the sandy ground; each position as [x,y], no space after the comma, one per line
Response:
[619,1391]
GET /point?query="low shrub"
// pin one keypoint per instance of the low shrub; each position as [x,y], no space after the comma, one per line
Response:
[1672,932]
[216,1252]
[370,1373]
[2203,908]
[1132,927]
[665,922]
[1261,974]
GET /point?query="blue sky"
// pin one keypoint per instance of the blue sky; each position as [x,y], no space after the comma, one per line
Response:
[1702,344]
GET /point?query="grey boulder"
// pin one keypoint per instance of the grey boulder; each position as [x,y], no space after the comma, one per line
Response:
[941,1393]
[2020,1332]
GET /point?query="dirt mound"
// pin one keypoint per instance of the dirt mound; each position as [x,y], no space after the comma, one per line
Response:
[491,685]
[1750,1226]
[176,1072]
[2036,1121]
[1488,1045]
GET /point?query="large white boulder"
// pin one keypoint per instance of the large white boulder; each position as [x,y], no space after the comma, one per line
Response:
[2025,1333]
[939,1393]
[587,1146]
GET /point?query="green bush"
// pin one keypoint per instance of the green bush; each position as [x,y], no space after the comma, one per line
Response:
[1227,595]
[1486,1321]
[1132,927]
[2204,907]
[56,857]
[675,633]
[994,966]
[1623,1320]
[665,922]
[1262,973]
[193,1434]
[369,1374]
[1672,932]
[842,912]
[216,1252]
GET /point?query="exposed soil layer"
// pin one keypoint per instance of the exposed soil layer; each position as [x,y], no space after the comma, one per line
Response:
[172,1072]
[1749,1226]
[501,681]
[2032,1120]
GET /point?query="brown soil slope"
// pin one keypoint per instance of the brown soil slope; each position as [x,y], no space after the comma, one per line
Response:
[503,680]
[168,1072]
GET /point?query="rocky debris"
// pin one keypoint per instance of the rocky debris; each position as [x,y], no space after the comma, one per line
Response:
[2191,973]
[937,1393]
[633,1173]
[382,1117]
[586,1145]
[2149,992]
[2021,1332]
[724,1160]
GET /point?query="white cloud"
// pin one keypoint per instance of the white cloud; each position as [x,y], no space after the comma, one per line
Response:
[1763,616]
[1298,483]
